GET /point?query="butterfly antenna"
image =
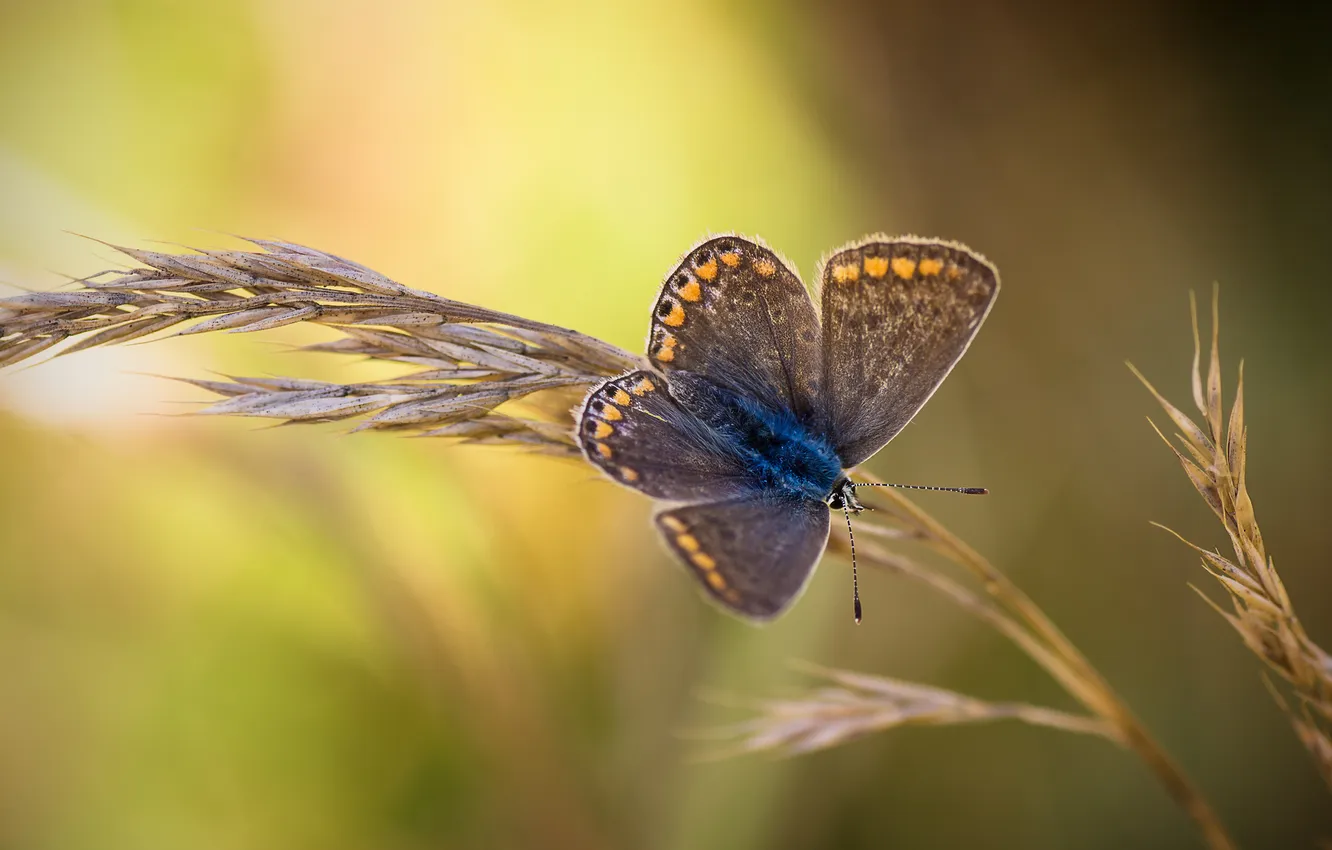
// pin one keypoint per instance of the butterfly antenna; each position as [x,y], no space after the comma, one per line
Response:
[970,491]
[855,580]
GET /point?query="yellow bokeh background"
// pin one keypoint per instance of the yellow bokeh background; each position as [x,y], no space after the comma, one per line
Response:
[220,635]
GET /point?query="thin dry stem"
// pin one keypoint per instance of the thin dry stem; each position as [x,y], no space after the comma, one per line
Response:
[1264,616]
[1018,618]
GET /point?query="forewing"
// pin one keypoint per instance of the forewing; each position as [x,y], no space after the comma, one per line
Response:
[633,430]
[897,316]
[752,555]
[734,313]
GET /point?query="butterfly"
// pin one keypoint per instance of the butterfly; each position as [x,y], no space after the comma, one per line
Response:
[754,404]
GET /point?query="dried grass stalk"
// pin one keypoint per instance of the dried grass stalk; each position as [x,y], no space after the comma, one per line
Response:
[857,704]
[1264,617]
[472,361]
[466,361]
[1003,606]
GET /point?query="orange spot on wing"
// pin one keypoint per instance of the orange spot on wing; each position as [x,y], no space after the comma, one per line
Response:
[611,413]
[731,258]
[716,580]
[621,397]
[673,523]
[628,474]
[876,267]
[687,542]
[604,450]
[603,431]
[765,268]
[691,291]
[675,318]
[953,272]
[667,351]
[707,271]
[904,267]
[930,267]
[644,386]
[703,561]
[846,273]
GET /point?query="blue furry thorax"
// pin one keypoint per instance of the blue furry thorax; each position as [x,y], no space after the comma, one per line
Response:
[781,454]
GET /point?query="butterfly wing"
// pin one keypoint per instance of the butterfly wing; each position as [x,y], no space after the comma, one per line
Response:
[633,430]
[897,316]
[752,555]
[735,314]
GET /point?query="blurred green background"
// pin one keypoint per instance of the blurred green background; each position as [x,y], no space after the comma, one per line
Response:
[216,635]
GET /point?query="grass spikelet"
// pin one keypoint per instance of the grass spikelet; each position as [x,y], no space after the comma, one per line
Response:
[465,361]
[851,705]
[1262,612]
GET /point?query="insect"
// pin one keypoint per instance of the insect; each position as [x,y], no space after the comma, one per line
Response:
[752,407]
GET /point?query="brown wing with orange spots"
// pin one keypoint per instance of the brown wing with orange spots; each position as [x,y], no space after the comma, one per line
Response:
[752,555]
[633,430]
[734,313]
[897,315]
